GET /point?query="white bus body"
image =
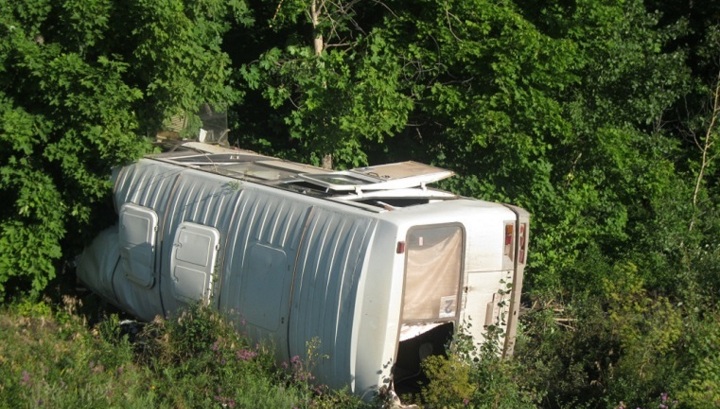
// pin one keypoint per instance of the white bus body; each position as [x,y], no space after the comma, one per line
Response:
[373,264]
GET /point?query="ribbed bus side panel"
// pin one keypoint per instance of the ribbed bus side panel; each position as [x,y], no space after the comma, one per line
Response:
[245,215]
[201,198]
[325,290]
[145,183]
[264,233]
[271,219]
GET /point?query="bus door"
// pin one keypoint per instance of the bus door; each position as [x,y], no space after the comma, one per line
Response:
[431,294]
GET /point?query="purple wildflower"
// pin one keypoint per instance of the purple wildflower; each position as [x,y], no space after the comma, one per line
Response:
[245,354]
[25,380]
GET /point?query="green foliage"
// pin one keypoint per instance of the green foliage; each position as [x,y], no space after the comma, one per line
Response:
[468,377]
[336,101]
[175,48]
[50,358]
[79,82]
[621,344]
[647,329]
[450,384]
[555,107]
[635,316]
[702,389]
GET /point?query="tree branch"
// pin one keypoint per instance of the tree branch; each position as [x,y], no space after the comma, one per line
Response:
[706,146]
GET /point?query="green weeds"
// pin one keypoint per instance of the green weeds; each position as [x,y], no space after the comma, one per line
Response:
[50,357]
[596,353]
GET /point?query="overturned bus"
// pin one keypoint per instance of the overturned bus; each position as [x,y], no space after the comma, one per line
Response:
[371,262]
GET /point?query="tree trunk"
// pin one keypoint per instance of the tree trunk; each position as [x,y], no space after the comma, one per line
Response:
[319,45]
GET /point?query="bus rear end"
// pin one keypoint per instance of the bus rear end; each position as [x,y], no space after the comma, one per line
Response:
[463,274]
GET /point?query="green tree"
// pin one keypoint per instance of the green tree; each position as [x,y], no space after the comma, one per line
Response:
[552,107]
[80,81]
[331,80]
[555,107]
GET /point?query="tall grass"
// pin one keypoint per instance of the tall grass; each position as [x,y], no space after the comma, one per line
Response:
[50,357]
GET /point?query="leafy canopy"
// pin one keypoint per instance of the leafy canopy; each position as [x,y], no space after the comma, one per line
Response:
[80,82]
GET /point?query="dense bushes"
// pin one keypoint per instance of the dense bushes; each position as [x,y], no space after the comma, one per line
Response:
[81,84]
[52,359]
[620,348]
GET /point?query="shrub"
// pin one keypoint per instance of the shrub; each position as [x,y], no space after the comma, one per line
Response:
[702,389]
[476,378]
[50,358]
